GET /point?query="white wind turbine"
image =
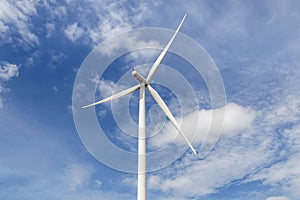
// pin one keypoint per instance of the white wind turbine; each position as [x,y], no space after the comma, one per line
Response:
[145,83]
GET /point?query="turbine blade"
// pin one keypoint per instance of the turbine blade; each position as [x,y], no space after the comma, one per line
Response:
[166,110]
[115,96]
[163,53]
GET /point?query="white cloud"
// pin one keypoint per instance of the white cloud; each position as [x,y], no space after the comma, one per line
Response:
[60,12]
[231,22]
[190,178]
[55,89]
[277,198]
[3,89]
[154,181]
[34,58]
[98,183]
[71,109]
[245,152]
[77,176]
[115,20]
[1,102]
[282,118]
[259,145]
[8,71]
[285,173]
[237,119]
[17,17]
[73,32]
[56,59]
[3,27]
[50,28]
[248,144]
[108,19]
[130,181]
[108,88]
[125,41]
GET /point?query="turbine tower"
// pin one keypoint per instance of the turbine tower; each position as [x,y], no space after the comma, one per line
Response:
[144,83]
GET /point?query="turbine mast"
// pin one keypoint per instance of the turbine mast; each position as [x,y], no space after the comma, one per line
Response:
[141,187]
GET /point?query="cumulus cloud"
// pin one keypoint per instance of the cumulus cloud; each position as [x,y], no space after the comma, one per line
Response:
[236,120]
[73,32]
[8,71]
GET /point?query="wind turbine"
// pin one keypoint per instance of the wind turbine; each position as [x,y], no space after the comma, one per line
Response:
[144,83]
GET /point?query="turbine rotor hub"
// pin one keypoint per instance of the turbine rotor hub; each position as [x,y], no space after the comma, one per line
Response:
[139,77]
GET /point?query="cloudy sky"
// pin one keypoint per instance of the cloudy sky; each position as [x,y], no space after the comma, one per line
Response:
[255,46]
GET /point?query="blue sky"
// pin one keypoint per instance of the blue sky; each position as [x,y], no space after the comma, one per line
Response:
[255,45]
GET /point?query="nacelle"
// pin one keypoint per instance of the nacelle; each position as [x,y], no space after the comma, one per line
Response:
[139,77]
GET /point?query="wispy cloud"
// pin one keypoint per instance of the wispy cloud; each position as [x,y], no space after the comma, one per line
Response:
[108,19]
[50,28]
[77,176]
[285,173]
[2,90]
[7,72]
[56,59]
[277,198]
[16,18]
